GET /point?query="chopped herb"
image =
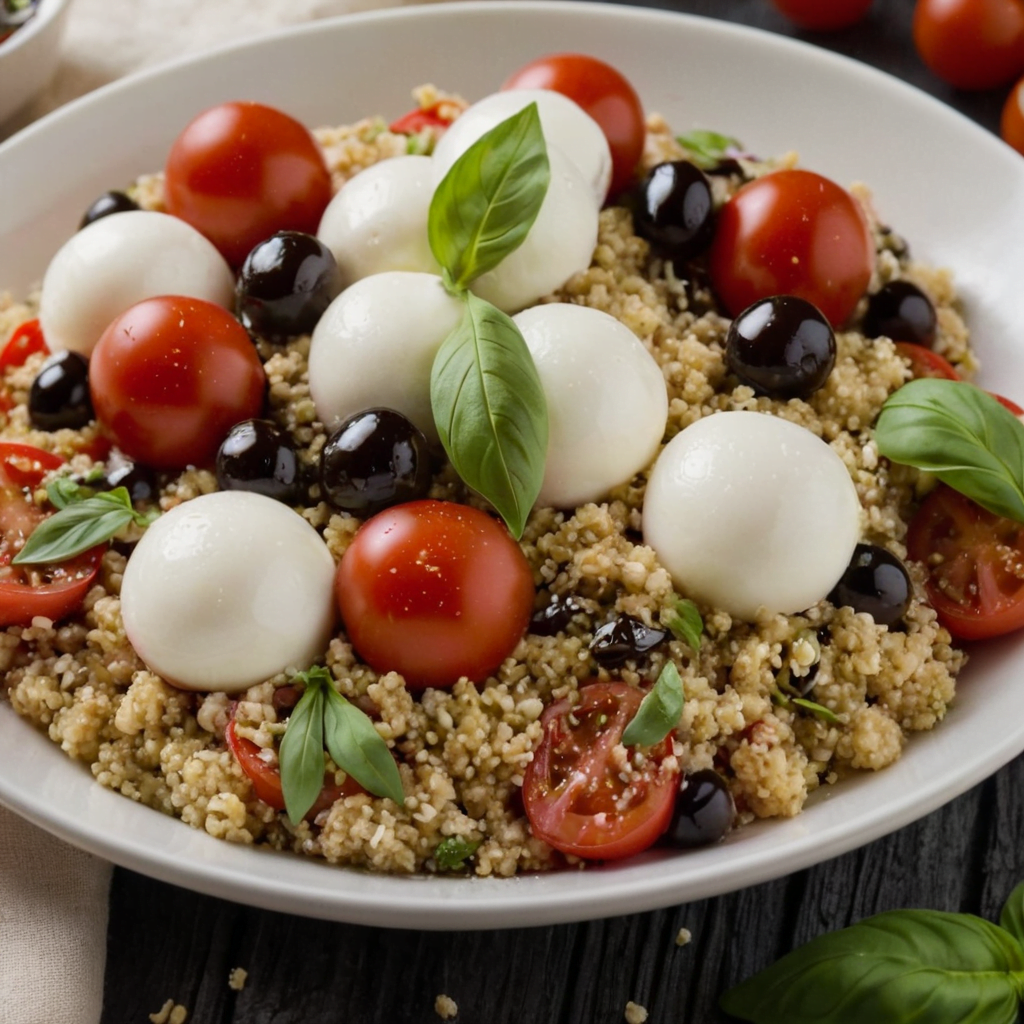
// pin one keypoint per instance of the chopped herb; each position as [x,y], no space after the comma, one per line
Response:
[659,711]
[686,623]
[453,851]
[707,148]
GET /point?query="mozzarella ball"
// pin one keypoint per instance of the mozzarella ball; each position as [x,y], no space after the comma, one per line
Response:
[227,590]
[375,346]
[119,260]
[378,219]
[606,399]
[565,124]
[746,510]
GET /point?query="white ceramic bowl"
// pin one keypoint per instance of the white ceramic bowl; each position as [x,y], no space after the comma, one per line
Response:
[954,190]
[29,57]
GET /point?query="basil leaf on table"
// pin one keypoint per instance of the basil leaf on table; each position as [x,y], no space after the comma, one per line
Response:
[490,411]
[962,435]
[301,755]
[659,711]
[1012,917]
[923,966]
[489,199]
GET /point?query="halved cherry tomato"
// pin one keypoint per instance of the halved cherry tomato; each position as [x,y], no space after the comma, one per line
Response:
[792,232]
[26,340]
[573,791]
[49,591]
[604,93]
[975,563]
[926,363]
[420,118]
[823,15]
[1011,122]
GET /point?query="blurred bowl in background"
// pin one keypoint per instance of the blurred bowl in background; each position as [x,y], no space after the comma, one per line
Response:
[29,57]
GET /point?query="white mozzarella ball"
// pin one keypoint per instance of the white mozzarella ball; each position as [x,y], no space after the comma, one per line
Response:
[375,346]
[747,510]
[565,124]
[559,244]
[118,261]
[606,399]
[378,219]
[227,590]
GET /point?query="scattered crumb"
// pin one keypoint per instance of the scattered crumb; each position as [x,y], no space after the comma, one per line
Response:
[445,1007]
[169,1013]
[635,1013]
[236,979]
[684,936]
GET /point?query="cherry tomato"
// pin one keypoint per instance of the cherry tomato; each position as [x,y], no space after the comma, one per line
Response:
[971,44]
[792,232]
[1011,124]
[573,792]
[823,15]
[241,172]
[24,342]
[50,591]
[1008,403]
[170,377]
[975,563]
[604,94]
[435,591]
[420,118]
[926,363]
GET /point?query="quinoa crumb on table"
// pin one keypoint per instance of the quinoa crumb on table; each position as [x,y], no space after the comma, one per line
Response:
[463,751]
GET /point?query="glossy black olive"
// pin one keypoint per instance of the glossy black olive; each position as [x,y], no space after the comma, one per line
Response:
[285,284]
[375,459]
[624,639]
[901,311]
[876,582]
[704,811]
[556,616]
[106,204]
[781,346]
[139,480]
[675,210]
[59,396]
[258,456]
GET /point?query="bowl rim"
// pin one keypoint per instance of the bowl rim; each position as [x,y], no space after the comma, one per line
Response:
[45,15]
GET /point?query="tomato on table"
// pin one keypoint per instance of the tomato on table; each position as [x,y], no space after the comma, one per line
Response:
[26,340]
[573,792]
[422,117]
[792,232]
[241,172]
[1011,122]
[26,591]
[170,377]
[926,363]
[823,15]
[604,93]
[435,591]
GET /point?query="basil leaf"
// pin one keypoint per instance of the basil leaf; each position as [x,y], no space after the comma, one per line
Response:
[452,852]
[357,748]
[923,966]
[490,411]
[77,527]
[962,435]
[1012,917]
[659,711]
[687,624]
[707,148]
[818,710]
[489,199]
[64,491]
[301,755]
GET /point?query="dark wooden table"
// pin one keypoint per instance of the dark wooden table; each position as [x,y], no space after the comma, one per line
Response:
[166,943]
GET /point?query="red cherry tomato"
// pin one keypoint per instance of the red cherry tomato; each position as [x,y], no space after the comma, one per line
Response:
[975,563]
[51,591]
[24,342]
[971,44]
[792,232]
[420,118]
[435,591]
[573,792]
[926,363]
[823,15]
[1011,124]
[240,172]
[170,377]
[1008,403]
[604,94]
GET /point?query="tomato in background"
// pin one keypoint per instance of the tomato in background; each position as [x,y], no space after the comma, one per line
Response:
[1011,123]
[604,93]
[1008,403]
[435,591]
[422,117]
[241,172]
[823,15]
[573,792]
[926,363]
[971,44]
[792,232]
[26,341]
[170,377]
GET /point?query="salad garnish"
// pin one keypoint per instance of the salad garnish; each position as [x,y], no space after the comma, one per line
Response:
[453,851]
[706,148]
[686,623]
[659,711]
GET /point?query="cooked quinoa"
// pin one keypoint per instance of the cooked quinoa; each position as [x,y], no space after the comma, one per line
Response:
[463,751]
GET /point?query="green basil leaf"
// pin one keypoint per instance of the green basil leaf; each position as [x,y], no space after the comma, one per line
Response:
[962,435]
[687,624]
[301,755]
[357,748]
[707,148]
[659,711]
[1012,917]
[489,199]
[923,966]
[818,710]
[64,491]
[490,411]
[452,852]
[76,528]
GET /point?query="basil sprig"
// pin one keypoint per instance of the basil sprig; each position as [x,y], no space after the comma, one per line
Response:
[962,435]
[924,966]
[659,711]
[707,148]
[323,716]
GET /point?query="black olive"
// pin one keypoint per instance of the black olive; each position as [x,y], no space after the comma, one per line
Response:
[258,456]
[675,210]
[781,346]
[139,480]
[901,311]
[704,811]
[106,204]
[556,616]
[285,284]
[623,639]
[375,459]
[59,396]
[876,582]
